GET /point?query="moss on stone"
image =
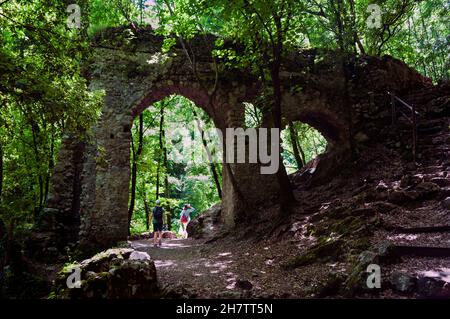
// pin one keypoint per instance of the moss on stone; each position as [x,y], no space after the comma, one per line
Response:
[323,251]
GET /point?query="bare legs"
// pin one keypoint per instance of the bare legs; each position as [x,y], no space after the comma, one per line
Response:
[184,226]
[156,235]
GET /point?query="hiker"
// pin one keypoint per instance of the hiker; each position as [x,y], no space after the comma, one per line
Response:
[185,218]
[158,218]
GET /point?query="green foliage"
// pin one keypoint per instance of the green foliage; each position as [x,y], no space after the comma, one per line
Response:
[415,31]
[188,181]
[311,142]
[42,95]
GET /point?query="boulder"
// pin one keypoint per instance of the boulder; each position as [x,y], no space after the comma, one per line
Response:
[356,281]
[139,255]
[206,224]
[402,282]
[434,286]
[112,274]
[387,252]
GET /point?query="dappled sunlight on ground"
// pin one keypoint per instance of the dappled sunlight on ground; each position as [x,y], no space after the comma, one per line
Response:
[165,263]
[182,258]
[402,236]
[442,274]
[174,244]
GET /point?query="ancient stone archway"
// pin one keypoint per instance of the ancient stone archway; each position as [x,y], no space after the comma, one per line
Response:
[91,179]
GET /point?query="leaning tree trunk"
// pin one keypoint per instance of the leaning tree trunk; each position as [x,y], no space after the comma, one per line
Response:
[295,146]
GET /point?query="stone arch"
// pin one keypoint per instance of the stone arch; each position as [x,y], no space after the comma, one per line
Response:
[192,92]
[91,179]
[332,129]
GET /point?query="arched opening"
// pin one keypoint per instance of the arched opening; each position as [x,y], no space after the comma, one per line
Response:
[301,144]
[174,158]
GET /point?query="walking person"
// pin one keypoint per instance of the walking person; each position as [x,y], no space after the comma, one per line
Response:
[158,221]
[185,218]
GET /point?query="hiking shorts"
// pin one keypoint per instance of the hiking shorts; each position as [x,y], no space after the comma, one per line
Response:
[157,226]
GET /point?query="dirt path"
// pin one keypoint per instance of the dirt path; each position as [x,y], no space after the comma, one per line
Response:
[224,269]
[181,265]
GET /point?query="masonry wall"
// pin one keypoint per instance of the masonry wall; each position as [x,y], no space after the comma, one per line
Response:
[91,183]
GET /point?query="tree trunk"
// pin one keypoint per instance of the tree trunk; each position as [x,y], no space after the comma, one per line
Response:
[286,195]
[212,167]
[166,178]
[340,27]
[34,131]
[161,150]
[302,153]
[295,148]
[147,213]
[136,155]
[51,166]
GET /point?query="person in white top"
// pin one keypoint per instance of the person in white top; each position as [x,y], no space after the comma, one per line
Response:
[185,218]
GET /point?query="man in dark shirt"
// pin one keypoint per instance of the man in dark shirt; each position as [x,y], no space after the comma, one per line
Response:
[158,220]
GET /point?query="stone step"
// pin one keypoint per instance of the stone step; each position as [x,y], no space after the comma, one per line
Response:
[435,148]
[429,130]
[441,181]
[432,169]
[423,123]
[434,155]
[421,251]
[439,139]
[421,230]
[426,177]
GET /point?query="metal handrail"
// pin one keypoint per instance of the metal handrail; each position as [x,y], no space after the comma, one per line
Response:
[412,120]
[401,101]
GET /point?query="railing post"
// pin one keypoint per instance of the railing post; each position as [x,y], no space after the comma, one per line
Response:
[414,119]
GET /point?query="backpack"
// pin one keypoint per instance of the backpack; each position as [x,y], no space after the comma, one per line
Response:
[158,214]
